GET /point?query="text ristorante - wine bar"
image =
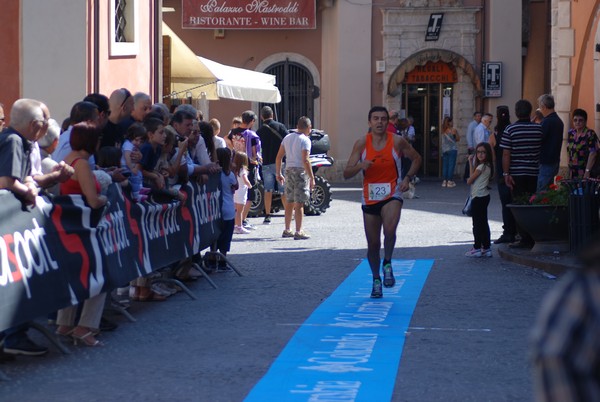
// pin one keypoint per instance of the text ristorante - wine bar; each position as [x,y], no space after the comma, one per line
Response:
[244,14]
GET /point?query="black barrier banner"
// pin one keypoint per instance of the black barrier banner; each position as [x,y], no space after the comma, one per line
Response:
[62,252]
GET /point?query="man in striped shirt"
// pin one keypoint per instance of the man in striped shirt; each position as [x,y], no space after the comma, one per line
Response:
[521,144]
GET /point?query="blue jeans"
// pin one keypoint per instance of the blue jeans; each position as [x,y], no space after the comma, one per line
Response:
[546,175]
[269,176]
[135,180]
[13,335]
[448,164]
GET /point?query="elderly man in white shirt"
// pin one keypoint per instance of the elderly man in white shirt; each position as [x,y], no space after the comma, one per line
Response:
[470,139]
[482,131]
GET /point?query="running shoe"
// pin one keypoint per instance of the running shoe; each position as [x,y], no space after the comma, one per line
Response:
[246,225]
[287,233]
[240,230]
[473,253]
[267,220]
[486,252]
[377,291]
[301,235]
[25,346]
[388,276]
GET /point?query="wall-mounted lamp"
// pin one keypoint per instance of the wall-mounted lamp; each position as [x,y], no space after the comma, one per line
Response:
[219,33]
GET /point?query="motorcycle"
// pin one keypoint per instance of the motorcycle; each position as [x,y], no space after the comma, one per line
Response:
[320,196]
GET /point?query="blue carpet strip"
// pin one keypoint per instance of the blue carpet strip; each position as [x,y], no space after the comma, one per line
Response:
[349,349]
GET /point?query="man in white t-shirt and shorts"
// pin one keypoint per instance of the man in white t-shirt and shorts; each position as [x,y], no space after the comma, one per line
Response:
[299,178]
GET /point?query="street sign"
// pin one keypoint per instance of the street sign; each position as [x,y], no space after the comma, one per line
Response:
[434,27]
[492,79]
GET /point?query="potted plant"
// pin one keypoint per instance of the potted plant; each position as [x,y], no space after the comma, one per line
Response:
[545,216]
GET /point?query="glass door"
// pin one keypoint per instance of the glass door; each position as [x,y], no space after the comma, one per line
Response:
[423,102]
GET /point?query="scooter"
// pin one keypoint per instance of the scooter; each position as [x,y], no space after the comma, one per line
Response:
[320,196]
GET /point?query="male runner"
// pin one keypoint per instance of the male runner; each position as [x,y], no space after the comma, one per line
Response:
[378,156]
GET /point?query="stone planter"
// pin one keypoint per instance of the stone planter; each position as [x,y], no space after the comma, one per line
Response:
[547,225]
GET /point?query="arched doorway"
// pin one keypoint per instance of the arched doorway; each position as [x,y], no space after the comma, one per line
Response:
[426,88]
[426,99]
[298,91]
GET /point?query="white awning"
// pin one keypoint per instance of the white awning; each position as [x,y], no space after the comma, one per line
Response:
[198,75]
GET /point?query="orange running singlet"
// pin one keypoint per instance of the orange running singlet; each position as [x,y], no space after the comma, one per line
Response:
[381,180]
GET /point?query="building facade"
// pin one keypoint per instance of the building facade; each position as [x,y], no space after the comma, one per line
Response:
[575,60]
[423,58]
[420,58]
[59,51]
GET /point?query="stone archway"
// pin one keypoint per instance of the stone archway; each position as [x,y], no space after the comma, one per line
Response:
[421,58]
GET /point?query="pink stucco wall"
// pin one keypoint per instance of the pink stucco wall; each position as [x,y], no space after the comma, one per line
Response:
[584,23]
[135,73]
[10,78]
[243,48]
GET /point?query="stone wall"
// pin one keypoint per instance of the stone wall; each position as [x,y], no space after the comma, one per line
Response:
[404,35]
[563,49]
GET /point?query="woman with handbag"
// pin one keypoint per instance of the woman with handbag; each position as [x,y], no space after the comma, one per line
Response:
[481,169]
[582,147]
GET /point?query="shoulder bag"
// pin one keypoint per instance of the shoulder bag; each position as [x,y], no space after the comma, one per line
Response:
[467,208]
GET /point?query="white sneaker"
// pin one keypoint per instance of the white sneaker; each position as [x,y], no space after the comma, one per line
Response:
[246,225]
[486,252]
[473,253]
[240,230]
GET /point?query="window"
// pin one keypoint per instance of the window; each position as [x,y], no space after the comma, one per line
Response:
[298,92]
[124,27]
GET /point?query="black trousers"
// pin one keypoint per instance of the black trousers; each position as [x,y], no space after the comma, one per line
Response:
[481,228]
[509,226]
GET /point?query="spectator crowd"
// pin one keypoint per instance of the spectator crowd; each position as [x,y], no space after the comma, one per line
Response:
[149,150]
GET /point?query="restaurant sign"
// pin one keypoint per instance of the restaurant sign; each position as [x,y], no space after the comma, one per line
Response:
[249,14]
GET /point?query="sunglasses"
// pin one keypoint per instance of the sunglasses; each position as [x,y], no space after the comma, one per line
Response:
[127,95]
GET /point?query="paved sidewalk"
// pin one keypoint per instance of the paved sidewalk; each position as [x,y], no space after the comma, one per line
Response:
[553,264]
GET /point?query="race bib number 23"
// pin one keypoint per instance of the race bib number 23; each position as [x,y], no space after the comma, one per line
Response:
[379,191]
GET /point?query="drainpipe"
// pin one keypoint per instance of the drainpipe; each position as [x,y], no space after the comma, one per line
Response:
[96,83]
[484,27]
[158,52]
